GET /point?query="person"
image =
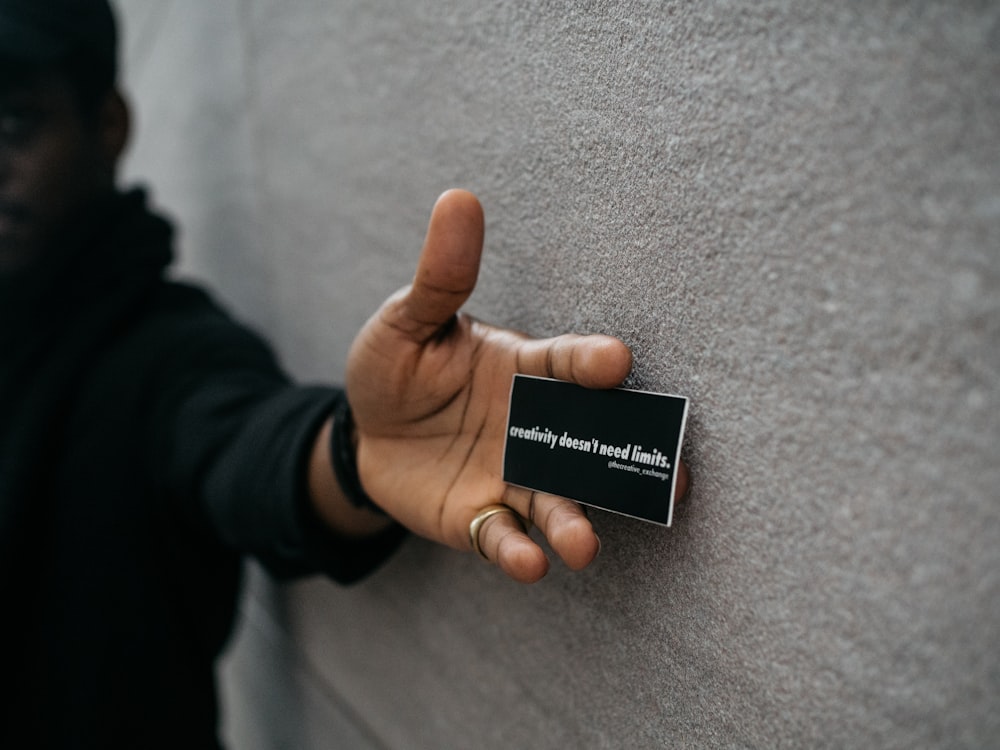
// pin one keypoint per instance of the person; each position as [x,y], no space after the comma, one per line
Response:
[148,442]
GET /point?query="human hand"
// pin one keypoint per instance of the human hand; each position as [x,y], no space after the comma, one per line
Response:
[429,390]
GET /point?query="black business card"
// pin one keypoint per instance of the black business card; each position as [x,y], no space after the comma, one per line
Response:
[613,449]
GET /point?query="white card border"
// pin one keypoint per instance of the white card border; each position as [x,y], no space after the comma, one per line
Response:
[677,456]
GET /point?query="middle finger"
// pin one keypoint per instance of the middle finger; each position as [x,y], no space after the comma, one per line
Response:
[561,521]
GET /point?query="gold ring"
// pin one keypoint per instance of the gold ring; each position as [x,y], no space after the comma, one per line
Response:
[481,517]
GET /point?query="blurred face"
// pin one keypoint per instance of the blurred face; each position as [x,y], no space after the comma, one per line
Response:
[53,164]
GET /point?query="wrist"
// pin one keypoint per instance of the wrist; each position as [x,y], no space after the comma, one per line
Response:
[343,457]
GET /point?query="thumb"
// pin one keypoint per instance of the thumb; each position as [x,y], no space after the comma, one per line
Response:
[448,266]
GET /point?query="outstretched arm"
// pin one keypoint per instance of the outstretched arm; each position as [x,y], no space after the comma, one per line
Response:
[429,388]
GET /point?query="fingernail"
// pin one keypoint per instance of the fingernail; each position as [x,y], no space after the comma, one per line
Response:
[598,545]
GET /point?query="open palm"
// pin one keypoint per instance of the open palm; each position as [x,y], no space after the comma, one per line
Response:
[429,389]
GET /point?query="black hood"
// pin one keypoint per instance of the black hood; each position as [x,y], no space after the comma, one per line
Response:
[53,322]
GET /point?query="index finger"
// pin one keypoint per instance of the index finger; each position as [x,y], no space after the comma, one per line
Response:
[595,361]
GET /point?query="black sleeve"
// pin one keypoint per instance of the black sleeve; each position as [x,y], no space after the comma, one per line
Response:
[240,437]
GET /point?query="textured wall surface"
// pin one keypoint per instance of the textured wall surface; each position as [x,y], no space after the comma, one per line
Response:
[791,212]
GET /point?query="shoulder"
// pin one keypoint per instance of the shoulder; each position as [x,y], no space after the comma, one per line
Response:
[177,342]
[184,323]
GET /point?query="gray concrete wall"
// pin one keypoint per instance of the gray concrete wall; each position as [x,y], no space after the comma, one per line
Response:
[790,210]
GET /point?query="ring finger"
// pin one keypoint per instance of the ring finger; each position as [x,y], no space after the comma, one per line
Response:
[502,539]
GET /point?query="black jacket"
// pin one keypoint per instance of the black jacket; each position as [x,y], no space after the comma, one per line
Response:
[147,442]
